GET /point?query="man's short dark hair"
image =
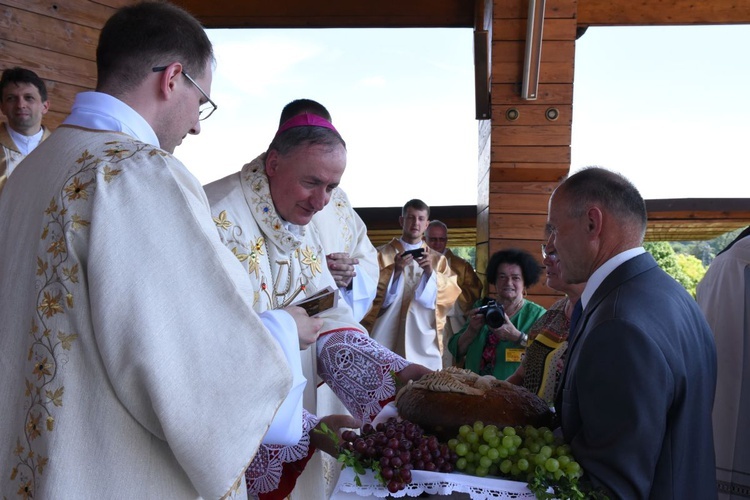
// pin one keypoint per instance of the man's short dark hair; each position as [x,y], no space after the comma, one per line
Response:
[609,189]
[19,75]
[530,269]
[293,138]
[416,205]
[140,37]
[299,106]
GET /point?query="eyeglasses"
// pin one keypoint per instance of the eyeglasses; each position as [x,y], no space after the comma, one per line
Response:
[548,255]
[207,108]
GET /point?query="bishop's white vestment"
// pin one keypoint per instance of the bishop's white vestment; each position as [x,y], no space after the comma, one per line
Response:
[287,263]
[342,230]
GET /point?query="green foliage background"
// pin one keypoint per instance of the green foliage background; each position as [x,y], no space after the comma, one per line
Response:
[687,261]
[469,254]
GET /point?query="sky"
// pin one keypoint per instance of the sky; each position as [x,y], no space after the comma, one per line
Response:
[665,106]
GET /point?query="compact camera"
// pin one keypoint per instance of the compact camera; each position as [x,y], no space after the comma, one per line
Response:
[494,314]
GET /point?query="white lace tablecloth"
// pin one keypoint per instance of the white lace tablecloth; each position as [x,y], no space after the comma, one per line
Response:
[433,483]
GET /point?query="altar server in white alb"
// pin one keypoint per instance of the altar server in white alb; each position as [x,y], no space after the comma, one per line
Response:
[132,363]
[415,292]
[263,214]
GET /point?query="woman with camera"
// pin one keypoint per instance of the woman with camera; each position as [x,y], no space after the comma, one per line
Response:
[493,340]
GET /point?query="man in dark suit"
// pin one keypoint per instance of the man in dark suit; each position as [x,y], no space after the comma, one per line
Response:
[638,387]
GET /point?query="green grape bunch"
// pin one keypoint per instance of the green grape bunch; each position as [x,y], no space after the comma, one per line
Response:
[523,453]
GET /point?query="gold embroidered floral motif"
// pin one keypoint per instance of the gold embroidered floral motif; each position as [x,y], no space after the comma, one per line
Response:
[110,173]
[221,221]
[52,207]
[51,304]
[85,156]
[41,266]
[66,341]
[76,190]
[115,152]
[32,426]
[58,247]
[55,397]
[310,258]
[71,273]
[78,222]
[26,491]
[42,369]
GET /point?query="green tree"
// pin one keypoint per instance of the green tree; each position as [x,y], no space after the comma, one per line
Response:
[705,250]
[667,259]
[469,254]
[693,269]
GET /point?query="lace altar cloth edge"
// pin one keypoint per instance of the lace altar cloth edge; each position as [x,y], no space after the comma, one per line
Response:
[434,483]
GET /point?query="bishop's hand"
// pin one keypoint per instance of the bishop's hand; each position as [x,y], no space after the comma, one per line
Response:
[308,328]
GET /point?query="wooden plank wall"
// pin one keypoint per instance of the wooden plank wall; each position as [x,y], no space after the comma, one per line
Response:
[57,40]
[528,156]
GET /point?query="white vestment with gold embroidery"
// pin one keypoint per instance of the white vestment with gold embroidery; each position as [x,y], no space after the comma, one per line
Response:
[131,363]
[287,263]
[409,325]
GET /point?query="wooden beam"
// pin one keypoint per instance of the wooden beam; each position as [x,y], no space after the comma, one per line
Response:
[662,12]
[332,13]
[47,33]
[83,12]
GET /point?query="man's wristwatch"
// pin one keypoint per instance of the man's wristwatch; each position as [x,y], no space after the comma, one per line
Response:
[523,340]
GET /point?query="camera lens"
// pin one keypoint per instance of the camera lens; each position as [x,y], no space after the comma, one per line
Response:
[494,318]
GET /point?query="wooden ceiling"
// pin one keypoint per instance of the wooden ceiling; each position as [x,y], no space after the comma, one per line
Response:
[450,13]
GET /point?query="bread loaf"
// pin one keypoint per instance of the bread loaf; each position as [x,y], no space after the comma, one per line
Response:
[443,401]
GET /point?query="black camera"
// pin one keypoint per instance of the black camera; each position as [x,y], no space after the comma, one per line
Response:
[416,253]
[494,314]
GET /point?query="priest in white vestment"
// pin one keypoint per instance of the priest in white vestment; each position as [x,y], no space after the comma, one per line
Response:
[24,102]
[263,215]
[414,293]
[724,297]
[131,362]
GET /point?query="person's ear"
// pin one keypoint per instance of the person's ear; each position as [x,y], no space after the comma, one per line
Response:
[401,220]
[594,218]
[272,163]
[168,79]
[45,107]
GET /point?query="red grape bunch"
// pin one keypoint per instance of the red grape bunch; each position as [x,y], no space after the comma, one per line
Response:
[393,449]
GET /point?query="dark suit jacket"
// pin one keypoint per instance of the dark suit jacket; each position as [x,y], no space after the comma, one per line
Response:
[639,388]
